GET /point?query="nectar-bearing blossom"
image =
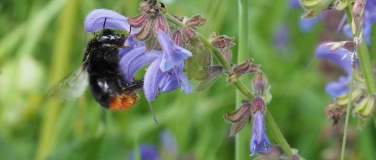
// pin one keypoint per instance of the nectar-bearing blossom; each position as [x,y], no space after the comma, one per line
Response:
[340,87]
[165,72]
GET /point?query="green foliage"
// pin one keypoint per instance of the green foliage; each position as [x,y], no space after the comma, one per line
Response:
[36,51]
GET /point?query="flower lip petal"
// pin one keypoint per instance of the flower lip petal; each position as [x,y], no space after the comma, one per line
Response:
[142,60]
[152,79]
[95,19]
[335,89]
[172,53]
[335,56]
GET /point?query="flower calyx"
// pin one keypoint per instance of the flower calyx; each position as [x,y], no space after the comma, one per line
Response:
[246,67]
[239,118]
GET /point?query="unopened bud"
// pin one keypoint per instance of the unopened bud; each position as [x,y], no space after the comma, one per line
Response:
[259,83]
[366,107]
[358,8]
[315,7]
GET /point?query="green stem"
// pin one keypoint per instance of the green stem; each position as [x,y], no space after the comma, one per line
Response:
[365,64]
[347,119]
[364,58]
[241,138]
[242,88]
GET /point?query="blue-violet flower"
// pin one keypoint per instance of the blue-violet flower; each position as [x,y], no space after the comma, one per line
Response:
[335,89]
[259,141]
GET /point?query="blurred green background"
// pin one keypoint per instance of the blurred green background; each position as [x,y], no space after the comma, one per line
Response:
[41,41]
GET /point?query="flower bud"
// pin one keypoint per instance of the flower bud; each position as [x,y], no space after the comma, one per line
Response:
[366,107]
[315,7]
[259,83]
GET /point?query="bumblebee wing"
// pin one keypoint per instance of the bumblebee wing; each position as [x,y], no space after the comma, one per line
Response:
[71,86]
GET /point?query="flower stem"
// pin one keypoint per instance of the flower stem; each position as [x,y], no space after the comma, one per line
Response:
[365,64]
[242,88]
[364,58]
[241,139]
[347,118]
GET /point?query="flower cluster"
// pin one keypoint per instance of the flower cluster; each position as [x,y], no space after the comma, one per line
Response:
[339,90]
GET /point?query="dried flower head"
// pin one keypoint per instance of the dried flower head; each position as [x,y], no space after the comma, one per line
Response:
[334,112]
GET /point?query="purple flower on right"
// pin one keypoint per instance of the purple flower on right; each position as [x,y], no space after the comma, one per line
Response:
[340,87]
[259,141]
[368,20]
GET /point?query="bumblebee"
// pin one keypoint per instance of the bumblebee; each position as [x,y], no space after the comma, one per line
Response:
[100,70]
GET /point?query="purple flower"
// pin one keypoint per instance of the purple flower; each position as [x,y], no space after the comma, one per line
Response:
[368,20]
[259,141]
[340,87]
[147,152]
[165,72]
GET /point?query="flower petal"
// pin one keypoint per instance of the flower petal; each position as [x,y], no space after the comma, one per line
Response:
[335,89]
[172,53]
[95,19]
[259,140]
[168,83]
[336,57]
[186,85]
[152,79]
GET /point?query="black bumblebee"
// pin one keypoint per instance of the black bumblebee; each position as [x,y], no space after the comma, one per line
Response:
[100,70]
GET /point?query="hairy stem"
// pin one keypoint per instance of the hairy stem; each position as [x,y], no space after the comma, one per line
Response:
[242,88]
[365,64]
[364,58]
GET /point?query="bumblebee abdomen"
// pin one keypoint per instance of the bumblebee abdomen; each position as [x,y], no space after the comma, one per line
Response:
[123,101]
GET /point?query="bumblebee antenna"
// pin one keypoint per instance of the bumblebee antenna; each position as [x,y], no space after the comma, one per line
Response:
[104,24]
